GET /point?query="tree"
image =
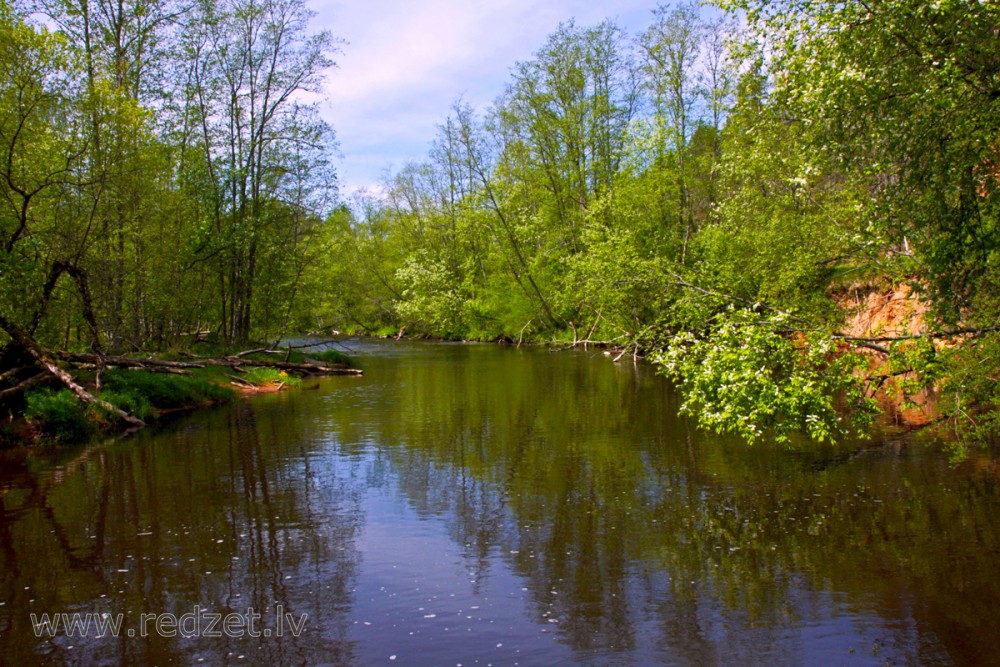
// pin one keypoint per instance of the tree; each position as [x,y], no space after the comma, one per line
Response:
[252,60]
[43,141]
[902,97]
[671,46]
[903,94]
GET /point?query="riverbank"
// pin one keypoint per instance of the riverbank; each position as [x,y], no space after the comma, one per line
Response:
[150,388]
[879,355]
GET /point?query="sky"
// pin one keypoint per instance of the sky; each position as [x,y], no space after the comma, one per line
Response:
[405,63]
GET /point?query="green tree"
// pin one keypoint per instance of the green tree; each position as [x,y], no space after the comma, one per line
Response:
[901,98]
[904,94]
[671,46]
[44,136]
[250,61]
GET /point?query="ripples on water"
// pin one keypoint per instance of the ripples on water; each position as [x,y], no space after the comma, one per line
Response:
[479,505]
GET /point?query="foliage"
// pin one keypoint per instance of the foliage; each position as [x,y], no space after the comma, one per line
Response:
[63,418]
[970,394]
[164,391]
[902,94]
[164,153]
[162,175]
[429,296]
[631,191]
[132,402]
[747,375]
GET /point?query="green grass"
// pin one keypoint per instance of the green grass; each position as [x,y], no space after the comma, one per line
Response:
[166,391]
[62,417]
[261,375]
[330,357]
[130,401]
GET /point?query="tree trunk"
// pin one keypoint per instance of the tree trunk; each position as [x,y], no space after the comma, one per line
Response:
[32,348]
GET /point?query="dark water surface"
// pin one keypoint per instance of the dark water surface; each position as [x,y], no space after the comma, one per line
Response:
[477,505]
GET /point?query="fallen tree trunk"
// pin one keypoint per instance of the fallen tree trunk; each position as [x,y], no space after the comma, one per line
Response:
[232,361]
[28,345]
[85,395]
[125,362]
[37,379]
[289,366]
[14,372]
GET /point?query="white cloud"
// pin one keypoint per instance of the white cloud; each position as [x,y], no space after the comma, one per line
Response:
[406,62]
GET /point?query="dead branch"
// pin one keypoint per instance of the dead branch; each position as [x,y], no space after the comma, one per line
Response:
[160,369]
[126,362]
[28,344]
[967,331]
[317,344]
[13,372]
[38,378]
[245,353]
[232,361]
[320,368]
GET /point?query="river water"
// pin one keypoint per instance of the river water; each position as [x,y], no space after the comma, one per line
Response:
[480,505]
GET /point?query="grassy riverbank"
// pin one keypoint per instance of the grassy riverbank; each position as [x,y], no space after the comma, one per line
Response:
[50,415]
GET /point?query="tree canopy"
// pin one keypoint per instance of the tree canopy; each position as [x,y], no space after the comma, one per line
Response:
[721,191]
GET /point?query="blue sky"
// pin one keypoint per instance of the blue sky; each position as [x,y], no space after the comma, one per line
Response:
[406,62]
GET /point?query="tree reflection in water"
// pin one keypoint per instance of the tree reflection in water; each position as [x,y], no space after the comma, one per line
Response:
[554,500]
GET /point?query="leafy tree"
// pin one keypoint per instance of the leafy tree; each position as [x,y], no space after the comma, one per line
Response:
[748,376]
[903,95]
[900,100]
[250,61]
[43,140]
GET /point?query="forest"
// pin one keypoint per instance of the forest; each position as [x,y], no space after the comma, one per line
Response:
[722,194]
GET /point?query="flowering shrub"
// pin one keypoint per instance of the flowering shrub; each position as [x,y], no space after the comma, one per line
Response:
[748,376]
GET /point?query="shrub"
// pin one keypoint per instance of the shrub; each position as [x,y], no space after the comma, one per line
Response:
[746,376]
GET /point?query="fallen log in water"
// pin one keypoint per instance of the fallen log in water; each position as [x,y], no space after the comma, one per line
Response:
[123,362]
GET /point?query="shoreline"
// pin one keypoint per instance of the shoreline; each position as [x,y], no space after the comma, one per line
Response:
[129,393]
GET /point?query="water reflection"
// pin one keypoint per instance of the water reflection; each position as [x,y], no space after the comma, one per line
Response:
[470,503]
[225,513]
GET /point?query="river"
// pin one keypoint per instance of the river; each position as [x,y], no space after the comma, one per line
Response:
[485,505]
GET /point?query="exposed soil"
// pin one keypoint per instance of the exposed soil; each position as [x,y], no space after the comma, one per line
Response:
[885,309]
